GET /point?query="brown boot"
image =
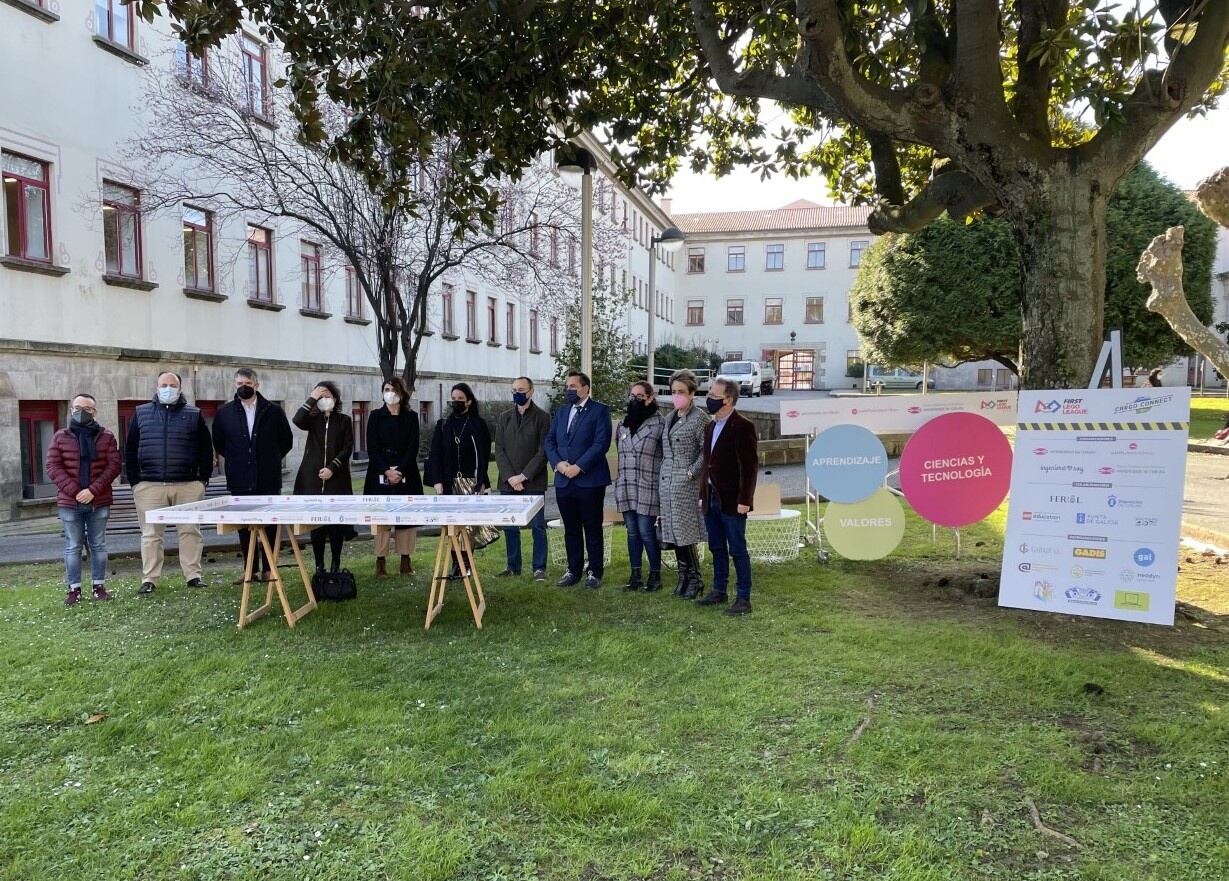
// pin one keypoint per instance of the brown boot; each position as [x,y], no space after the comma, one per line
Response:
[407,565]
[380,570]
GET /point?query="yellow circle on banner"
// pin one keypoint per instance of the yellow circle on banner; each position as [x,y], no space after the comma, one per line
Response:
[865,530]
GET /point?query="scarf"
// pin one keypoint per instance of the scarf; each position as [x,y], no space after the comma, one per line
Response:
[87,441]
[636,416]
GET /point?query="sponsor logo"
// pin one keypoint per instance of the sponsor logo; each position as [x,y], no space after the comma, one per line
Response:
[915,409]
[1131,600]
[1115,501]
[1047,407]
[792,414]
[1040,451]
[1044,550]
[1129,575]
[1084,596]
[1037,567]
[1143,404]
[1100,538]
[1144,557]
[1067,406]
[1043,590]
[1095,439]
[1042,516]
[1066,469]
[1140,469]
[1105,469]
[1084,518]
[1145,521]
[1088,553]
[1081,572]
[1066,500]
[1132,446]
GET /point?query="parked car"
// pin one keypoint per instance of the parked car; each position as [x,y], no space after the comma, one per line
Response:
[745,373]
[895,377]
[768,377]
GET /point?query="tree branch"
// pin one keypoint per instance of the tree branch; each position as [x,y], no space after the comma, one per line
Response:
[887,168]
[1034,81]
[1162,96]
[976,72]
[953,191]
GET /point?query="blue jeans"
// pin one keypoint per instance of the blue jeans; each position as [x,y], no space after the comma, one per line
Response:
[727,537]
[642,536]
[512,536]
[77,526]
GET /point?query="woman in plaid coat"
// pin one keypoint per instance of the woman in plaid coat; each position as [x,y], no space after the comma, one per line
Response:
[637,480]
[682,526]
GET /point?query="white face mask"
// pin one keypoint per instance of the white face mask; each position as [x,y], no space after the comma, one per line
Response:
[392,398]
[325,404]
[168,394]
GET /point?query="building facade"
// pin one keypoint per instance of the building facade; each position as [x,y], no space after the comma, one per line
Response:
[99,296]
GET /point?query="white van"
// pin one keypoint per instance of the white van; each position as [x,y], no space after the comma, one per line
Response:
[745,373]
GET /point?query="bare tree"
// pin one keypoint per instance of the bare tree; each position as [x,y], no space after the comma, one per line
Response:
[212,141]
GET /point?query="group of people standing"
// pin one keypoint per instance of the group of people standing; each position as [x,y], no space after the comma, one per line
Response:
[679,476]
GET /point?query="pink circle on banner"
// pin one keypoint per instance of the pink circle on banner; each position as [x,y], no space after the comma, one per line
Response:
[956,469]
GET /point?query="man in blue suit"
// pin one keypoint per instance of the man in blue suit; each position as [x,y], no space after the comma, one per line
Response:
[576,447]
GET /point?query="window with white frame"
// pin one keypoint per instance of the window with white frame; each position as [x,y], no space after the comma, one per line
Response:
[815,310]
[816,255]
[197,248]
[260,263]
[734,311]
[695,312]
[773,310]
[695,261]
[855,252]
[775,258]
[471,316]
[448,295]
[735,258]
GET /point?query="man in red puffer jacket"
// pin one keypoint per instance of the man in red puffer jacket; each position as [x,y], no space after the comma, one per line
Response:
[83,461]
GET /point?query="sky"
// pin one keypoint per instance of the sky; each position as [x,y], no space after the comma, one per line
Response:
[1189,152]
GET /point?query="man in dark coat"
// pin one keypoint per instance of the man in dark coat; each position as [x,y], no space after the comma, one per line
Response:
[520,454]
[169,457]
[731,467]
[576,448]
[252,435]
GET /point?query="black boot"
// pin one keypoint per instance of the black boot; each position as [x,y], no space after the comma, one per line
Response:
[695,583]
[634,582]
[654,582]
[681,587]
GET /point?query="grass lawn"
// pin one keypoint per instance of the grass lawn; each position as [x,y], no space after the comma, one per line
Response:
[597,735]
[1207,416]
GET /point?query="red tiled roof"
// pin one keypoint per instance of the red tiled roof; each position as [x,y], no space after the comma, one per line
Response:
[800,215]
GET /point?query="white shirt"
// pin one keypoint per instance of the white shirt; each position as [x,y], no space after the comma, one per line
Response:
[249,410]
[576,408]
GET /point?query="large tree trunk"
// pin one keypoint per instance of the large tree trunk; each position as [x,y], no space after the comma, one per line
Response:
[1059,225]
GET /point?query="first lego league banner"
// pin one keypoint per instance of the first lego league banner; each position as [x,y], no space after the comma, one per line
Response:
[1094,523]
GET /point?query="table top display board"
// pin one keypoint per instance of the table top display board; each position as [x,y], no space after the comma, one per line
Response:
[1096,503]
[477,510]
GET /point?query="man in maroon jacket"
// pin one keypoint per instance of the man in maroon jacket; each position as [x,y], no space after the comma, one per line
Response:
[83,461]
[730,469]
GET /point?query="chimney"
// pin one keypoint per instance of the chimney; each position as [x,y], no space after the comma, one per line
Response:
[665,203]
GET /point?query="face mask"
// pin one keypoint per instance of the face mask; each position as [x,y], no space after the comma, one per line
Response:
[573,396]
[714,404]
[245,393]
[458,407]
[520,399]
[391,398]
[680,401]
[168,394]
[82,418]
[636,407]
[324,405]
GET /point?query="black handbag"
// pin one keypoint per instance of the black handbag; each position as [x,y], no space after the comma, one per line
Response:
[334,586]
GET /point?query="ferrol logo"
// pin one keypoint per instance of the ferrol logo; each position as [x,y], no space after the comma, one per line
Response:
[1066,500]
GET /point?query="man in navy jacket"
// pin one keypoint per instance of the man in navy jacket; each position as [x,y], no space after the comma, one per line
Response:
[576,447]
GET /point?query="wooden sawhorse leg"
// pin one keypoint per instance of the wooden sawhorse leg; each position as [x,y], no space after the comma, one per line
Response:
[457,540]
[273,550]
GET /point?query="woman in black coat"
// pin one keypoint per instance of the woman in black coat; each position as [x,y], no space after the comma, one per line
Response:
[392,467]
[325,469]
[460,447]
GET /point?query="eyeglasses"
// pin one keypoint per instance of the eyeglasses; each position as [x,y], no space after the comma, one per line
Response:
[91,410]
[640,397]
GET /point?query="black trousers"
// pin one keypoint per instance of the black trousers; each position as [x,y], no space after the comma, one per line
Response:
[336,537]
[580,508]
[262,559]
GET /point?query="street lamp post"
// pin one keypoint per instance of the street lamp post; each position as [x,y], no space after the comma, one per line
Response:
[671,239]
[575,165]
[793,359]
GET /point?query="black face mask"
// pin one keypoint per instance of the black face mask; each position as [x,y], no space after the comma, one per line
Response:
[82,418]
[714,404]
[245,392]
[458,407]
[637,407]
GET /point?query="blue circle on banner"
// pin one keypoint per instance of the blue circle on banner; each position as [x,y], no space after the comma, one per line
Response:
[846,463]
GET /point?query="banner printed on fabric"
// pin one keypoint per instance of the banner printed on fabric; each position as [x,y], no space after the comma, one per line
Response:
[893,414]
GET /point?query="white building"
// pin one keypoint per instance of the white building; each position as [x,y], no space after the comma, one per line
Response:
[98,297]
[774,286]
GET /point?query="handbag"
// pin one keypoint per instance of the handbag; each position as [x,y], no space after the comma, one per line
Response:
[479,536]
[334,586]
[1223,434]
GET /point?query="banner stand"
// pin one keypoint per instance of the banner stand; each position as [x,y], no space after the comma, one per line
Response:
[1111,357]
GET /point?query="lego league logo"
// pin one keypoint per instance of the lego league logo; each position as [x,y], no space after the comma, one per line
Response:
[1067,407]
